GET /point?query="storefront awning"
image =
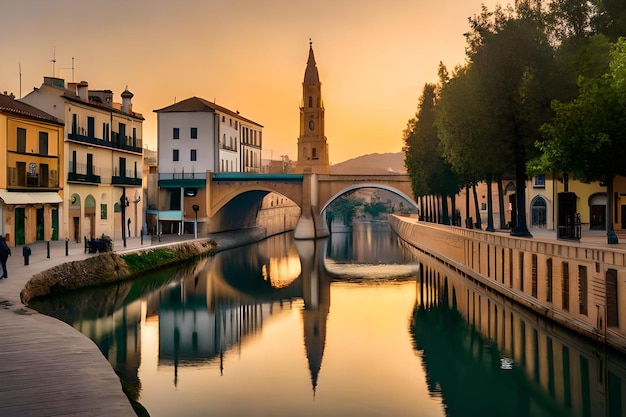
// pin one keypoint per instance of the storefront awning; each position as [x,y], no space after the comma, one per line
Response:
[15,197]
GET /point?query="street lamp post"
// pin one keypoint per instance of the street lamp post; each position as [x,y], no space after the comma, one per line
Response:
[195,225]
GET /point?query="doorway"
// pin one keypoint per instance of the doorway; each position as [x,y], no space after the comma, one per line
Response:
[19,226]
[598,218]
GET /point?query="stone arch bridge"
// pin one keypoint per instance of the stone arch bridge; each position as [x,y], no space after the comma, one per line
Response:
[233,198]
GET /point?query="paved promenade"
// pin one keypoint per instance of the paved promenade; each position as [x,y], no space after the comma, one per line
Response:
[49,369]
[46,367]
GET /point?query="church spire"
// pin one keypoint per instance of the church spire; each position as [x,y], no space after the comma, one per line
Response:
[312,146]
[311,76]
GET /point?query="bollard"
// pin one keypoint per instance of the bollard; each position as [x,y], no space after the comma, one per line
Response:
[26,252]
[48,249]
[67,246]
[85,244]
[141,237]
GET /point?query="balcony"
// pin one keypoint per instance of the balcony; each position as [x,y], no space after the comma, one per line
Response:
[39,180]
[82,173]
[125,143]
[127,177]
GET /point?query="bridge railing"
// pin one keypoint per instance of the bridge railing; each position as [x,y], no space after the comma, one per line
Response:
[183,176]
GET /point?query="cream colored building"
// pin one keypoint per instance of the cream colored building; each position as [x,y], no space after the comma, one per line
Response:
[102,150]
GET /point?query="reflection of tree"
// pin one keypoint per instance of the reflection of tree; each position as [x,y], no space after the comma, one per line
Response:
[464,369]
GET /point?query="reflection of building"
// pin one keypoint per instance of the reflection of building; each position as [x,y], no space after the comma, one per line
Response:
[316,294]
[312,146]
[552,369]
[102,150]
[29,186]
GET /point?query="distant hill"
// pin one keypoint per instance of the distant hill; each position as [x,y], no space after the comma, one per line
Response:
[375,163]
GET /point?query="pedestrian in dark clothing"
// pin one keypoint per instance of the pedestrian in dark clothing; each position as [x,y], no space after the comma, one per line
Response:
[5,252]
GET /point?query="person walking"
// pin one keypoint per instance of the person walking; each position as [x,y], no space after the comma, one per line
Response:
[5,252]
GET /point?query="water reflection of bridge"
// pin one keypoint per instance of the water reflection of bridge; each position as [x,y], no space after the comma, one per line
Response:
[231,296]
[577,379]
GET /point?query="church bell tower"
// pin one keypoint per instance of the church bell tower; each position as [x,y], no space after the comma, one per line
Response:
[312,146]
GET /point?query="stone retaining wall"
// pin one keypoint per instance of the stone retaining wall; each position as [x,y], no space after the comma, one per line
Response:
[579,287]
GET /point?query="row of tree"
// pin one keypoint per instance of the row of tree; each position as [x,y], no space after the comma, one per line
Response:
[543,89]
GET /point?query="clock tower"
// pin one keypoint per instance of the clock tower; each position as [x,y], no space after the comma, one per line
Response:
[312,146]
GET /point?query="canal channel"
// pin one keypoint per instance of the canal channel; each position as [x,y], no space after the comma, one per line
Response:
[355,324]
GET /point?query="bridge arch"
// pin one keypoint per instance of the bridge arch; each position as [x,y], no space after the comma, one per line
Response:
[369,185]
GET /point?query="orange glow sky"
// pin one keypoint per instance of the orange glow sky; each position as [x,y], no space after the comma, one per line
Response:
[373,58]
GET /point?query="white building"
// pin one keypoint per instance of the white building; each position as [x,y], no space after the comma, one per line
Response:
[103,157]
[195,136]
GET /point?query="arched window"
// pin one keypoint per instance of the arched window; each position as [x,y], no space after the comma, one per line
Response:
[314,153]
[538,212]
[310,101]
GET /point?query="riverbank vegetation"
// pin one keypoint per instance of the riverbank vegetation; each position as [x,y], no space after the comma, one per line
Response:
[542,90]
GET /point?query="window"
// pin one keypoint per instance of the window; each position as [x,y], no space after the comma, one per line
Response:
[538,212]
[582,289]
[175,155]
[176,133]
[540,181]
[43,143]
[21,140]
[193,155]
[565,285]
[32,177]
[122,136]
[91,126]
[44,175]
[310,101]
[194,133]
[103,211]
[105,131]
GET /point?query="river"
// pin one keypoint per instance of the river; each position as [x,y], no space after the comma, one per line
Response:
[344,326]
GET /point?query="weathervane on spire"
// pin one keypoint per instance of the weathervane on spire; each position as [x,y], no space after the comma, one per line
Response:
[310,43]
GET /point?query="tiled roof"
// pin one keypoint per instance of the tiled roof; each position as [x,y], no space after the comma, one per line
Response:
[197,104]
[8,104]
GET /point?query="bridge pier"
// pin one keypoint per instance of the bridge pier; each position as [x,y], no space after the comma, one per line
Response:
[310,225]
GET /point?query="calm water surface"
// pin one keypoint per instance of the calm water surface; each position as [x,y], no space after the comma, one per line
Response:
[264,331]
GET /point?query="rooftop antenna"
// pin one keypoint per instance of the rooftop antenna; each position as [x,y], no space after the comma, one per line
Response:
[54,60]
[20,80]
[72,68]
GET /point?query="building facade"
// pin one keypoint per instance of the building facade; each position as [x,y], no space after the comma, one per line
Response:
[103,157]
[196,136]
[312,144]
[30,187]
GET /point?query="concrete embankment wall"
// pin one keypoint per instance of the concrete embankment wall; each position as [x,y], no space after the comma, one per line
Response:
[107,268]
[581,288]
[111,267]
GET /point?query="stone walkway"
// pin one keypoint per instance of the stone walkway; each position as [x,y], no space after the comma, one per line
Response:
[47,368]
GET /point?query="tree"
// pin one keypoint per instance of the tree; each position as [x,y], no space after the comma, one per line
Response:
[512,58]
[430,173]
[587,136]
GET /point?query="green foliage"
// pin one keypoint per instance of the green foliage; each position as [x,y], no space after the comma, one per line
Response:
[375,209]
[138,261]
[587,136]
[430,173]
[343,208]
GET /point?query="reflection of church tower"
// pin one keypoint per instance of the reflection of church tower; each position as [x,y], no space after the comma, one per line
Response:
[312,146]
[316,294]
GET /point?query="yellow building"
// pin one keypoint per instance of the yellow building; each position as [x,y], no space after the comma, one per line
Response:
[30,188]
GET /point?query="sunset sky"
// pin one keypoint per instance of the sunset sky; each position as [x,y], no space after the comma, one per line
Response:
[373,58]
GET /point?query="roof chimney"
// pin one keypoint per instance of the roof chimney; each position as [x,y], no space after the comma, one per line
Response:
[127,105]
[82,90]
